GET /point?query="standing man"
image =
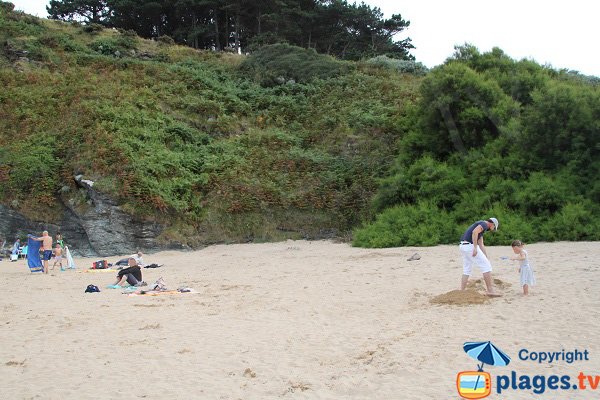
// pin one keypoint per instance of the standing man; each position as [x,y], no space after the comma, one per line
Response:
[473,252]
[46,247]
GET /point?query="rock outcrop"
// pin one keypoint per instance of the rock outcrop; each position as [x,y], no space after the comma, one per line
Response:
[93,224]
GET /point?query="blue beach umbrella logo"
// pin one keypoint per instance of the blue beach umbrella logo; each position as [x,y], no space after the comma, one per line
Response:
[478,384]
[487,353]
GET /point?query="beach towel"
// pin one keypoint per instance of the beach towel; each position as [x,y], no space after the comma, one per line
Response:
[95,271]
[70,261]
[33,255]
[162,292]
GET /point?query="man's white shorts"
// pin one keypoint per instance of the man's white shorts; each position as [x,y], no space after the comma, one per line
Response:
[468,260]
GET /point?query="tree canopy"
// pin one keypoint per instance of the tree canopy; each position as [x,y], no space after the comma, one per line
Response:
[334,27]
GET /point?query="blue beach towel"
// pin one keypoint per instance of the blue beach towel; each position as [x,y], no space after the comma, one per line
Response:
[33,255]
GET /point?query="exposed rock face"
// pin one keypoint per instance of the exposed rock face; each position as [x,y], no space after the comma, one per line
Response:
[13,225]
[94,226]
[109,230]
[15,54]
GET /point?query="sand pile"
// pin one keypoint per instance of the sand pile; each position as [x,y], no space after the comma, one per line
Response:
[460,298]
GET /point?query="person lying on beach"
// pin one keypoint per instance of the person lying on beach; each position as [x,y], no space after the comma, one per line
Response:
[131,275]
[137,257]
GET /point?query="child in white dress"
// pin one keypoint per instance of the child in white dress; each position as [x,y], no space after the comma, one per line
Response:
[527,276]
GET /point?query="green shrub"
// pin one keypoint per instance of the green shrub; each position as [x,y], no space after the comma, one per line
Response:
[513,225]
[93,28]
[113,46]
[166,40]
[6,7]
[130,33]
[127,41]
[426,179]
[32,163]
[541,195]
[461,110]
[281,63]
[403,66]
[56,40]
[263,39]
[575,221]
[422,224]
[105,46]
[561,127]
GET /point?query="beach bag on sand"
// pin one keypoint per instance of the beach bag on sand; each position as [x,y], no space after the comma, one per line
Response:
[100,264]
[92,289]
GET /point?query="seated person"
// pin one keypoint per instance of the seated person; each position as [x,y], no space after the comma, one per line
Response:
[131,275]
[24,251]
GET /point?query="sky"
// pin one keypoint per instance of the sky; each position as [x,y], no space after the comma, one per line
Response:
[558,34]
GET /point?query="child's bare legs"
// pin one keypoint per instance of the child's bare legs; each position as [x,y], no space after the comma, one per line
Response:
[525,289]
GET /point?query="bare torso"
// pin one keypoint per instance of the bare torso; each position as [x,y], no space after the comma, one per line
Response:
[47,242]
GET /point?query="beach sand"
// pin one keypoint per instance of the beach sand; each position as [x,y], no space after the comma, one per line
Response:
[297,320]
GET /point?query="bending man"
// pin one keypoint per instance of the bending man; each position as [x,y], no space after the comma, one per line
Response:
[473,252]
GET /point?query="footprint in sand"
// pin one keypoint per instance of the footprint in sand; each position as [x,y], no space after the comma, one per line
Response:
[15,363]
[248,373]
[295,386]
[155,326]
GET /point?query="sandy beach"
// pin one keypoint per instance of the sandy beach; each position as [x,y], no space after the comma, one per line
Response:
[294,319]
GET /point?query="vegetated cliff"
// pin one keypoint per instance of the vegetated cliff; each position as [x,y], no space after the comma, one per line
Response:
[185,147]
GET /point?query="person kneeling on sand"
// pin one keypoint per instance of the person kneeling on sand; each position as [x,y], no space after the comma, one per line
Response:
[473,252]
[131,275]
